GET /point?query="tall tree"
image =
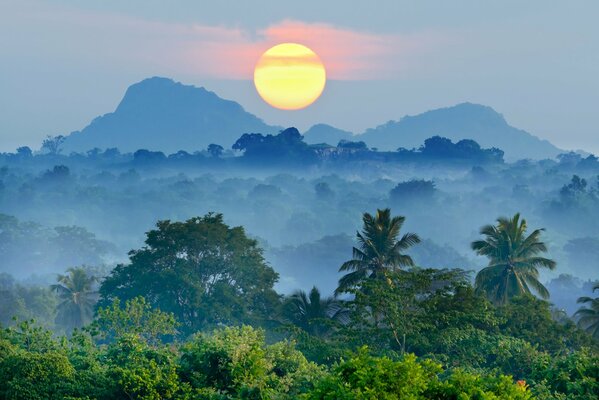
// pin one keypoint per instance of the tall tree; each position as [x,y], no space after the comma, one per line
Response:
[379,250]
[513,260]
[312,313]
[201,270]
[77,298]
[588,317]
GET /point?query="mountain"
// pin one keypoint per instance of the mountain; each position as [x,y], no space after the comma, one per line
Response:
[161,114]
[463,121]
[323,133]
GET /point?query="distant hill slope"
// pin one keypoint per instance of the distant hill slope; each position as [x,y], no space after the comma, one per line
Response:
[463,121]
[323,133]
[161,114]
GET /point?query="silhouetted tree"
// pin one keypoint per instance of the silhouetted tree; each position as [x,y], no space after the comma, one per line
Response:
[24,152]
[215,150]
[287,147]
[312,313]
[415,189]
[52,144]
[77,298]
[588,316]
[348,144]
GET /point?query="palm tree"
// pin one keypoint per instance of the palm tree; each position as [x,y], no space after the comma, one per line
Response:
[513,260]
[379,250]
[311,312]
[588,317]
[77,298]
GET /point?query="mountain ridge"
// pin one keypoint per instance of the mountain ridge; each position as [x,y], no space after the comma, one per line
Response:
[461,121]
[161,114]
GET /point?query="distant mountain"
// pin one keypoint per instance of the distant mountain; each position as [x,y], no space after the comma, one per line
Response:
[323,133]
[161,114]
[463,121]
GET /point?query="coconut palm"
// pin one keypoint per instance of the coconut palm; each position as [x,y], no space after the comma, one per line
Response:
[77,298]
[379,250]
[588,317]
[513,260]
[311,312]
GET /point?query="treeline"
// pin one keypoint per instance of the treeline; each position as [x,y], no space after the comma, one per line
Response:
[174,322]
[286,148]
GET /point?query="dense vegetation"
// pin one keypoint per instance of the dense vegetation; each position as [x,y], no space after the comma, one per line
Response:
[290,305]
[194,314]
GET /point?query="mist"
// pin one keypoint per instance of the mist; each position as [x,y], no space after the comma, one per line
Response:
[304,208]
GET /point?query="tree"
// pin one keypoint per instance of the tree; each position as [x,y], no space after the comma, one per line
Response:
[364,377]
[52,144]
[201,270]
[414,190]
[348,144]
[513,260]
[76,245]
[236,363]
[286,148]
[137,319]
[35,376]
[323,191]
[379,250]
[24,152]
[532,319]
[312,313]
[77,298]
[588,317]
[215,150]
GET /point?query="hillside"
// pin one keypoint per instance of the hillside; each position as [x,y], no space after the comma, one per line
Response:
[462,121]
[161,114]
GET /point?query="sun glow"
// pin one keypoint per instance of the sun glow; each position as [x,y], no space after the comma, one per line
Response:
[289,76]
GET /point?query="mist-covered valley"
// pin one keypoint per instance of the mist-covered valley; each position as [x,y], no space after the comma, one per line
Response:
[303,205]
[180,229]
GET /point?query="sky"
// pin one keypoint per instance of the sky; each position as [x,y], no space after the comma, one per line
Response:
[65,62]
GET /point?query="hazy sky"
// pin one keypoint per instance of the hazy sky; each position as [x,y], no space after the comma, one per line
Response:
[65,62]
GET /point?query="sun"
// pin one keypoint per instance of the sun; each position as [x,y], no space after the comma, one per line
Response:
[289,76]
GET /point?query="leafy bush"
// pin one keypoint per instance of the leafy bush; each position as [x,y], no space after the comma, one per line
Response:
[364,377]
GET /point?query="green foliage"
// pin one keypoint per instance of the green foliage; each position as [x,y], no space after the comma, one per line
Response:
[379,250]
[513,260]
[32,376]
[136,318]
[573,376]
[138,371]
[392,313]
[364,377]
[529,318]
[235,362]
[431,334]
[201,270]
[312,313]
[25,302]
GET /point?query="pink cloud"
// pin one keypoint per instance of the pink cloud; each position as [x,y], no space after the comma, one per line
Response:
[120,41]
[346,54]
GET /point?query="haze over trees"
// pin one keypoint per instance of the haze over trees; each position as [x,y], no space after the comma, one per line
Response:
[173,324]
[168,264]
